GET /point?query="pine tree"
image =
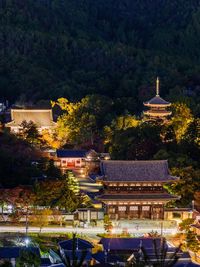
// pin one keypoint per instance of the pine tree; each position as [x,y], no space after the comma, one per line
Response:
[72,182]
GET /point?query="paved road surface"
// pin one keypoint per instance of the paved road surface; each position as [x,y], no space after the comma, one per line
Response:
[89,230]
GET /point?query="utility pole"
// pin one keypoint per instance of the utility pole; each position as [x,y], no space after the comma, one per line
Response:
[161,229]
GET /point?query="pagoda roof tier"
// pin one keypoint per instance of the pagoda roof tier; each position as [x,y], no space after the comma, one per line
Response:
[139,170]
[157,113]
[136,197]
[157,101]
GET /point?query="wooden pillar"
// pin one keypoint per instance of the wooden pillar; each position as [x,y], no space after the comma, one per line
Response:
[139,211]
[152,212]
[162,211]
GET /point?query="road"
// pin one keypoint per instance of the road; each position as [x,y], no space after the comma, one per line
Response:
[89,230]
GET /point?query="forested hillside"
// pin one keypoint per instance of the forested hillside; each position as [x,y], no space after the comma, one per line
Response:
[54,48]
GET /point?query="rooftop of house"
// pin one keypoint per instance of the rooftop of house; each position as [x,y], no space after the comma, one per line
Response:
[101,257]
[151,170]
[45,262]
[76,153]
[128,244]
[41,117]
[70,153]
[14,252]
[186,264]
[79,243]
[57,265]
[79,254]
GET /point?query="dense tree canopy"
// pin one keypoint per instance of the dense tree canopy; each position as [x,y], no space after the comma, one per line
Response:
[51,49]
[21,162]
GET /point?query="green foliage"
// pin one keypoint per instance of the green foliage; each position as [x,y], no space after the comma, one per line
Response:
[28,259]
[41,218]
[181,120]
[192,241]
[63,193]
[20,161]
[29,132]
[185,225]
[107,224]
[55,49]
[67,199]
[72,182]
[140,142]
[15,161]
[83,121]
[6,264]
[186,185]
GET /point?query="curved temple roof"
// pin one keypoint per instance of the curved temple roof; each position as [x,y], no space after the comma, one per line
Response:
[142,171]
[157,101]
[41,117]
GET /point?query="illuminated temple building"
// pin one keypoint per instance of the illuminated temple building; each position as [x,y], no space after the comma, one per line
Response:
[42,118]
[134,189]
[157,106]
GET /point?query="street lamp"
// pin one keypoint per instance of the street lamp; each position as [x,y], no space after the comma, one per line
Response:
[27,241]
[192,205]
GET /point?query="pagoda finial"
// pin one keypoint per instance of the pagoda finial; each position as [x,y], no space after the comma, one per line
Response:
[157,86]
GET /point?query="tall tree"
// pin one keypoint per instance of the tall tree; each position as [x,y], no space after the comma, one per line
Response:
[29,132]
[181,119]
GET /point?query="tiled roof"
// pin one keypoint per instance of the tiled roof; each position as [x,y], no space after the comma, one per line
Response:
[14,252]
[69,153]
[101,257]
[157,100]
[79,254]
[57,265]
[186,264]
[128,243]
[41,117]
[152,170]
[137,197]
[45,262]
[81,244]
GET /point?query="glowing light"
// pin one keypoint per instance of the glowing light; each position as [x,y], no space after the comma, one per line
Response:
[10,207]
[27,241]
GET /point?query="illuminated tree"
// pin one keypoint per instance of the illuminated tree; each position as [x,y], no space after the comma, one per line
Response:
[181,119]
[107,224]
[185,225]
[68,199]
[82,121]
[118,124]
[50,139]
[72,182]
[29,132]
[41,218]
[186,185]
[192,242]
[63,194]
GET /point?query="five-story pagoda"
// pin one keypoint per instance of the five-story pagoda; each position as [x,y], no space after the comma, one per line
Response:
[157,106]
